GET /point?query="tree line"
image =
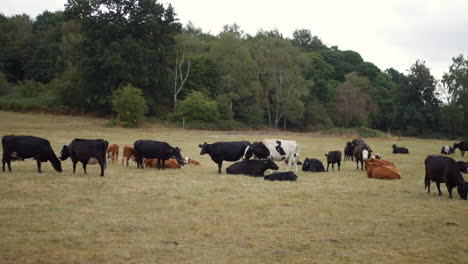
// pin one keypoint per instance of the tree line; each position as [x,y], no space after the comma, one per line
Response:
[84,57]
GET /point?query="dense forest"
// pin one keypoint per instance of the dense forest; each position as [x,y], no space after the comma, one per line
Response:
[126,56]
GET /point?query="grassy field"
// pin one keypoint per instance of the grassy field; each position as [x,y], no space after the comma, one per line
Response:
[194,215]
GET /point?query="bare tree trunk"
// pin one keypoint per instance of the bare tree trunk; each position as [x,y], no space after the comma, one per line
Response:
[284,123]
[183,79]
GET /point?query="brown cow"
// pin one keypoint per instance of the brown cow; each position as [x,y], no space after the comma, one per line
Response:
[189,161]
[113,153]
[381,169]
[169,164]
[128,153]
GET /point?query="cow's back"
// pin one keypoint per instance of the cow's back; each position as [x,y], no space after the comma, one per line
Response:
[27,146]
[84,149]
[228,151]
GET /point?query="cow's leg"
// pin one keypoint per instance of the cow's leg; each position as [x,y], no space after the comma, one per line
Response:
[127,161]
[357,164]
[123,158]
[438,188]
[38,165]
[339,164]
[84,167]
[220,164]
[428,185]
[158,163]
[6,159]
[449,189]
[328,164]
[74,165]
[362,165]
[163,163]
[102,165]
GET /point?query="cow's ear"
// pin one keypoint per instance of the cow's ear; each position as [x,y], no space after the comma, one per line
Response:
[200,146]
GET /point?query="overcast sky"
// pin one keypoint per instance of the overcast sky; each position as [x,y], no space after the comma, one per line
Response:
[392,33]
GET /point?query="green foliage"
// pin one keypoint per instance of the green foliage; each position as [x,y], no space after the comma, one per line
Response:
[130,105]
[362,132]
[30,88]
[452,119]
[197,108]
[4,85]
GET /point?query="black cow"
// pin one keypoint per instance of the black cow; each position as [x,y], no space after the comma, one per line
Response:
[356,142]
[252,167]
[444,169]
[463,166]
[333,157]
[281,176]
[348,151]
[462,146]
[24,147]
[399,150]
[312,165]
[224,151]
[86,151]
[161,151]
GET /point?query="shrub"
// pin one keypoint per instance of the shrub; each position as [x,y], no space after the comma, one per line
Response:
[130,105]
[197,108]
[4,85]
[30,88]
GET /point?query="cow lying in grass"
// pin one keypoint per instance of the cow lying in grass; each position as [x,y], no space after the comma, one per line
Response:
[252,167]
[381,169]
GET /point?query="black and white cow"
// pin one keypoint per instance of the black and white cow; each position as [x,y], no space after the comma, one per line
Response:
[447,150]
[252,167]
[161,151]
[362,152]
[224,151]
[24,147]
[86,151]
[275,149]
[281,176]
[312,165]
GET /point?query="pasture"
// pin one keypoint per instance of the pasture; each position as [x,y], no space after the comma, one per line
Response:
[194,215]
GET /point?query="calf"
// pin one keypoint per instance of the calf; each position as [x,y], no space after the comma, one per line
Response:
[312,165]
[361,153]
[190,161]
[84,150]
[444,169]
[169,164]
[281,176]
[128,153]
[399,150]
[252,167]
[24,147]
[447,150]
[333,157]
[161,151]
[462,146]
[113,153]
[224,151]
[275,149]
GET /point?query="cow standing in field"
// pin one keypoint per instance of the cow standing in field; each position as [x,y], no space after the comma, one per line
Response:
[161,151]
[444,169]
[224,151]
[462,146]
[113,153]
[85,151]
[275,149]
[252,167]
[24,147]
[399,150]
[128,153]
[361,153]
[348,151]
[333,157]
[312,165]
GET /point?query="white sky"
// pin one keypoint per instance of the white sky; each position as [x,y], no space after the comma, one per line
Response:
[391,33]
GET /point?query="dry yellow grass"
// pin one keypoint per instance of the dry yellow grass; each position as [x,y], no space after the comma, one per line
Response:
[194,215]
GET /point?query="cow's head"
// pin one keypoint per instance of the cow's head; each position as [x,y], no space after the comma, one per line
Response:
[306,165]
[56,163]
[175,153]
[65,153]
[463,190]
[204,148]
[394,146]
[456,145]
[270,164]
[365,154]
